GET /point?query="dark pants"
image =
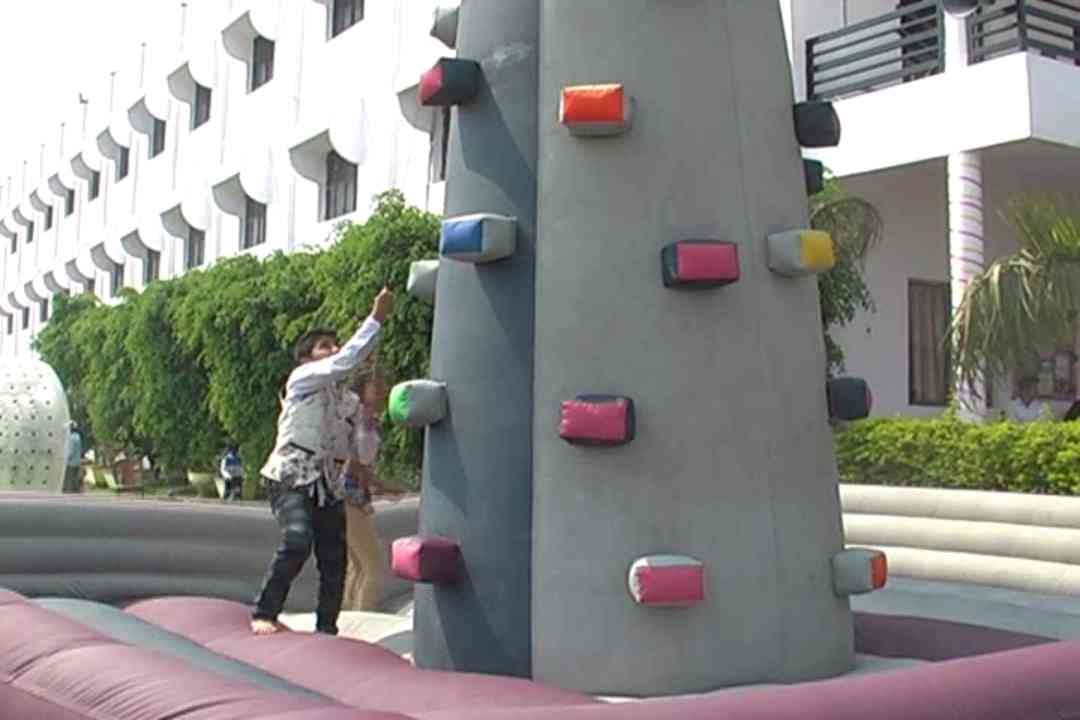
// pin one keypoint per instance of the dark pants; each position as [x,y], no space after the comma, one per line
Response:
[72,479]
[234,489]
[303,526]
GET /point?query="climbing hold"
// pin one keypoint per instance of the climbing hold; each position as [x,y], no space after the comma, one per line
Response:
[699,263]
[597,420]
[418,403]
[859,570]
[595,109]
[423,275]
[667,580]
[801,252]
[435,560]
[817,124]
[450,82]
[849,398]
[480,238]
[814,174]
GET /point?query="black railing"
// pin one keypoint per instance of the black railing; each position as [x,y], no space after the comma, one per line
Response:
[1048,27]
[892,48]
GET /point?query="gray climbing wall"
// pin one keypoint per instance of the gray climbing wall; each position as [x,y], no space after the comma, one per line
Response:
[732,463]
[478,460]
[33,426]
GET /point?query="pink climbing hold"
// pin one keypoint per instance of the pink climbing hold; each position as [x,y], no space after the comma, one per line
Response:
[435,560]
[667,580]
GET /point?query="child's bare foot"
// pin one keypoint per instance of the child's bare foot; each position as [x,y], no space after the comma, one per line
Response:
[264,627]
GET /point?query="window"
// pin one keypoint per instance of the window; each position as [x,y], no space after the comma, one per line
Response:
[122,164]
[93,185]
[440,145]
[30,233]
[262,63]
[157,138]
[200,113]
[43,310]
[89,286]
[48,218]
[25,318]
[928,357]
[151,266]
[117,278]
[340,195]
[69,202]
[196,246]
[346,13]
[253,228]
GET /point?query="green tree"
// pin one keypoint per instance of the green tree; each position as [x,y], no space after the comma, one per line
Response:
[106,385]
[1025,303]
[170,403]
[238,318]
[55,347]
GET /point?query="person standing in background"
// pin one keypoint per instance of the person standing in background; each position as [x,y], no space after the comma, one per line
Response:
[73,461]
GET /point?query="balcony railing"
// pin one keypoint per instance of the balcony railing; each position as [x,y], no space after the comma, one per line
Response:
[1048,27]
[896,47]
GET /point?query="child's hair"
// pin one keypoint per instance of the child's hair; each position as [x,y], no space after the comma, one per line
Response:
[306,344]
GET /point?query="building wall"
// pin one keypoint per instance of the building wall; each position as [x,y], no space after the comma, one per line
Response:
[350,81]
[912,201]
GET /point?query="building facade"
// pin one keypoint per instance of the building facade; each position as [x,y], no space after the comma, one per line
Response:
[945,121]
[264,125]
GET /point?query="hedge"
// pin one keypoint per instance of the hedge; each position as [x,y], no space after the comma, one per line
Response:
[947,452]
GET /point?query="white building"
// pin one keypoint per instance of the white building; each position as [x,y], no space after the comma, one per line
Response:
[246,117]
[262,127]
[943,121]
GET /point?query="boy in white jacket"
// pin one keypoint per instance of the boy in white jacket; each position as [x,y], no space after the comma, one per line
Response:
[300,476]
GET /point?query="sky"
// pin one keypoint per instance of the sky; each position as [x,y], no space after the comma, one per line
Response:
[51,51]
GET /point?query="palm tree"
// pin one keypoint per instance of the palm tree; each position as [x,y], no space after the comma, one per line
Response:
[856,228]
[1023,304]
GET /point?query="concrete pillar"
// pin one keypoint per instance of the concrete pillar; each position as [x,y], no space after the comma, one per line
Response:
[966,249]
[732,464]
[965,197]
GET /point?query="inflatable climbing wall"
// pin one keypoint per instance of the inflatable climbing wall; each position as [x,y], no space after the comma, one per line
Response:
[33,427]
[629,482]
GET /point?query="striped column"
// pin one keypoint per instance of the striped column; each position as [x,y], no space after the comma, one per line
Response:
[966,246]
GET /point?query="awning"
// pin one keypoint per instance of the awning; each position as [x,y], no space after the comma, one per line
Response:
[137,236]
[33,292]
[17,301]
[342,128]
[150,106]
[252,178]
[80,269]
[7,227]
[107,253]
[22,214]
[260,19]
[56,281]
[183,213]
[62,181]
[87,161]
[115,136]
[40,198]
[199,68]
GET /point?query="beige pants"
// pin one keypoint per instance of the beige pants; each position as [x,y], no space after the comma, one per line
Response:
[363,575]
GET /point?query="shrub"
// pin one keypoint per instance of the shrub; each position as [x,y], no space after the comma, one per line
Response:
[947,452]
